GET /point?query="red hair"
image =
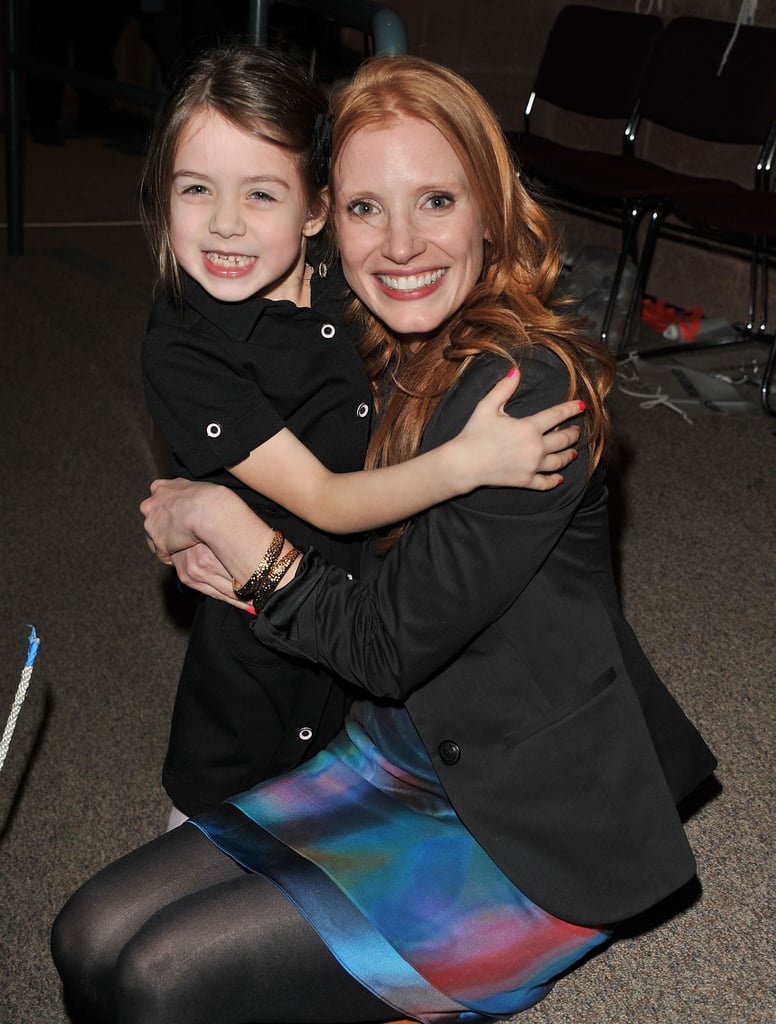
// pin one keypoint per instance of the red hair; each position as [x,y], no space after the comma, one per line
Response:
[511,309]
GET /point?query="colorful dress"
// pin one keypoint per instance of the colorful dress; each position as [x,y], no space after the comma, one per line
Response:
[363,840]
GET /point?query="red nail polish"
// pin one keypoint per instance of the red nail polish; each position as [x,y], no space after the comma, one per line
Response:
[582,406]
[574,455]
[512,372]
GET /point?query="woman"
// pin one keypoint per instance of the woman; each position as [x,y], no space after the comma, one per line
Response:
[505,792]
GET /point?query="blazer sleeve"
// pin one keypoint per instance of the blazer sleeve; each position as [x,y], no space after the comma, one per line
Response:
[451,575]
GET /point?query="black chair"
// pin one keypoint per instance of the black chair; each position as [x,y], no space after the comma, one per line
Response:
[592,67]
[716,87]
[745,218]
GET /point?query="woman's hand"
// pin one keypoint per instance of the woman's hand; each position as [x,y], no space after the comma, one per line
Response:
[197,567]
[208,533]
[177,514]
[501,450]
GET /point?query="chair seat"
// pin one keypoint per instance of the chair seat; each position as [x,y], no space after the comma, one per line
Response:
[606,176]
[729,208]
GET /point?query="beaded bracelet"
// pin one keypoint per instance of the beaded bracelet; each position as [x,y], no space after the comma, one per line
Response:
[272,577]
[256,579]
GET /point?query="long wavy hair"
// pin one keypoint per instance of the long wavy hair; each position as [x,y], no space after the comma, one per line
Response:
[511,309]
[261,91]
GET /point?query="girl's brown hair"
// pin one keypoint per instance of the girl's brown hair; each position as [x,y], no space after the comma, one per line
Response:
[261,91]
[511,309]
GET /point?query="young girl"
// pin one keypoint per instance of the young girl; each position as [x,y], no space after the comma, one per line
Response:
[251,377]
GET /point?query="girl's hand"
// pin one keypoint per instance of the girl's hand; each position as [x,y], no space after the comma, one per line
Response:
[506,451]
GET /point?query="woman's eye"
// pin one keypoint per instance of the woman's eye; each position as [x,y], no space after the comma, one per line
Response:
[440,201]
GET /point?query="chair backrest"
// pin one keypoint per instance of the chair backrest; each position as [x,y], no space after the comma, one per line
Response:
[688,89]
[594,60]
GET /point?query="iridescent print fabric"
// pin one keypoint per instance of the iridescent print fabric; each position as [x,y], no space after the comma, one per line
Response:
[364,841]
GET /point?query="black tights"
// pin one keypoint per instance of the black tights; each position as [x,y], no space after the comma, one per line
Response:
[177,933]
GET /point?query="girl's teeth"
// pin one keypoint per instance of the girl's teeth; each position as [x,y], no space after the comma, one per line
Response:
[408,284]
[229,260]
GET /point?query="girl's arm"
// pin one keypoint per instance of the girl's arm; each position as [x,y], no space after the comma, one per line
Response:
[493,450]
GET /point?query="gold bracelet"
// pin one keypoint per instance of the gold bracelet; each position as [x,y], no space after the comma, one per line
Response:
[252,584]
[271,579]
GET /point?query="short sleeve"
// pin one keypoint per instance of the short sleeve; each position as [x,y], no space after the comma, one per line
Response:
[203,398]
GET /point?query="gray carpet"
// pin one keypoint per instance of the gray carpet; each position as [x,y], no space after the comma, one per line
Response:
[695,540]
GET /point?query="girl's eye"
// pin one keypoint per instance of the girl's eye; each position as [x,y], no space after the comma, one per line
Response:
[261,197]
[195,190]
[361,207]
[440,201]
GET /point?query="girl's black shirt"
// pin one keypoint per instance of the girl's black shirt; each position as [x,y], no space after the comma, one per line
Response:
[221,378]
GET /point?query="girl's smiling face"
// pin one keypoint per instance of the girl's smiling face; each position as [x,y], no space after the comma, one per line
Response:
[239,215]
[409,228]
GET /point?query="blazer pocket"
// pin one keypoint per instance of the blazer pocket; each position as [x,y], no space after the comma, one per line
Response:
[582,697]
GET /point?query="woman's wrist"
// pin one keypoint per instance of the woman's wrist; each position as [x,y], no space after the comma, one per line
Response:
[241,540]
[231,530]
[267,575]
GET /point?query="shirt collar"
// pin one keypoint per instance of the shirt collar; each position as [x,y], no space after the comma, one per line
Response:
[239,319]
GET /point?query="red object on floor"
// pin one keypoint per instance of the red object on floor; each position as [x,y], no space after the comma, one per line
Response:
[659,314]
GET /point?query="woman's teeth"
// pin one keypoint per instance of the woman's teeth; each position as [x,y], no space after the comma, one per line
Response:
[409,284]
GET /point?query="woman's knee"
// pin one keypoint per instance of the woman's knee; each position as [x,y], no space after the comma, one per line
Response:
[152,981]
[90,931]
[75,940]
[84,956]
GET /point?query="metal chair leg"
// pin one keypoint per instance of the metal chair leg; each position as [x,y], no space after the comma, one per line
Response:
[656,218]
[632,220]
[768,375]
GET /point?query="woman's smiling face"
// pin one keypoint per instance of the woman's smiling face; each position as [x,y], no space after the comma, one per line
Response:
[408,225]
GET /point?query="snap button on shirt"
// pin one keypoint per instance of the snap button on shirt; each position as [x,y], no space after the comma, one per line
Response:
[305,733]
[449,752]
[362,410]
[213,430]
[328,331]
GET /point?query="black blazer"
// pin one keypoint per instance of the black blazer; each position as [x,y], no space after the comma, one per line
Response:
[496,620]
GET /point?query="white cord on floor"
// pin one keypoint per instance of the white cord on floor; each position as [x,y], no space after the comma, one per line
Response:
[650,400]
[21,693]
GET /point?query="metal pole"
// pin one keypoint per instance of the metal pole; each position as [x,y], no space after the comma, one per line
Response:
[258,21]
[13,149]
[388,32]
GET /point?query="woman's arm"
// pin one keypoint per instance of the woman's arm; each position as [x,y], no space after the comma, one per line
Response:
[451,575]
[492,450]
